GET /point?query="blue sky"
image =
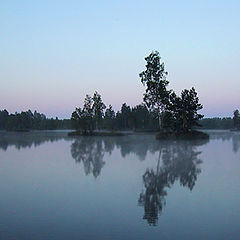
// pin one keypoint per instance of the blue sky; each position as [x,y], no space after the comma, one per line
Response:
[53,53]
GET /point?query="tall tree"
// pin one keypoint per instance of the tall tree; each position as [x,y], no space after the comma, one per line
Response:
[88,112]
[126,116]
[83,118]
[97,108]
[154,78]
[109,118]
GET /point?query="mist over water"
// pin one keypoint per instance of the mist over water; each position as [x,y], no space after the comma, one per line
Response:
[131,187]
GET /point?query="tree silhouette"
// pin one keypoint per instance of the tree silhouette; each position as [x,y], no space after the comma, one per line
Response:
[109,118]
[236,119]
[154,77]
[97,108]
[175,113]
[183,110]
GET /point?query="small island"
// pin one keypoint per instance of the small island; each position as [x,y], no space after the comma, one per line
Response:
[176,116]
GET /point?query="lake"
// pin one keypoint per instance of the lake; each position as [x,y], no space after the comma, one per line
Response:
[131,187]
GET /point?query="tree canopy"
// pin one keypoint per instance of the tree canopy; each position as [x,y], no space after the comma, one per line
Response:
[154,78]
[175,113]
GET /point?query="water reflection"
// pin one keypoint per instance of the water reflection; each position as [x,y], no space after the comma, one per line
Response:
[176,161]
[227,136]
[90,151]
[236,142]
[139,145]
[29,139]
[46,192]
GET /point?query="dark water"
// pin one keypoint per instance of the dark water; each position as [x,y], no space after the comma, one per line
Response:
[133,187]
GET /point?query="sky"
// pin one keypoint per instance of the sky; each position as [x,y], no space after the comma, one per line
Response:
[53,53]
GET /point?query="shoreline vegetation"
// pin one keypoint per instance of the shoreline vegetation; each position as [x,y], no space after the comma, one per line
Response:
[191,135]
[162,111]
[22,124]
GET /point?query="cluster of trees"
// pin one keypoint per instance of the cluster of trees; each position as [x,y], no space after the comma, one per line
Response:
[136,118]
[94,116]
[89,117]
[216,123]
[175,113]
[162,108]
[142,117]
[30,120]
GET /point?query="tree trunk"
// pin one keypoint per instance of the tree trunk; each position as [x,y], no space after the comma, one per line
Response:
[159,119]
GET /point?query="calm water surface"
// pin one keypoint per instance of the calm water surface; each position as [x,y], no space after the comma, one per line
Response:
[132,187]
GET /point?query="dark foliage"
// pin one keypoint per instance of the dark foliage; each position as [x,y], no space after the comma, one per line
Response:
[175,113]
[25,121]
[236,119]
[216,123]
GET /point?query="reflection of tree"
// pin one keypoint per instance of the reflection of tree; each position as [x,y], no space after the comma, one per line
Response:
[223,135]
[177,161]
[29,139]
[226,136]
[236,142]
[153,199]
[109,144]
[90,151]
[140,145]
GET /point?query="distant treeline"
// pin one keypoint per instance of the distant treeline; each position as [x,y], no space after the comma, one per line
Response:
[216,123]
[128,118]
[30,120]
[222,123]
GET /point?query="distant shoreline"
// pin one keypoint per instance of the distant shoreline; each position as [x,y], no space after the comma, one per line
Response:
[94,134]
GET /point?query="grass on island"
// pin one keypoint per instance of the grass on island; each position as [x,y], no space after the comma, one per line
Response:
[191,135]
[103,134]
[145,130]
